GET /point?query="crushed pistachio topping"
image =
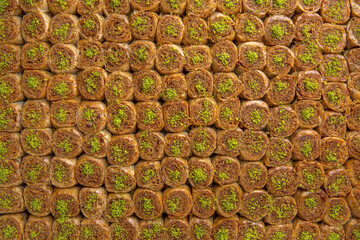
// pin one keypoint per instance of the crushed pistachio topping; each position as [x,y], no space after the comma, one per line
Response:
[63,62]
[223,58]
[91,84]
[220,26]
[139,24]
[141,53]
[119,181]
[32,53]
[117,208]
[306,149]
[173,205]
[311,202]
[62,31]
[278,31]
[252,56]
[333,67]
[150,116]
[148,174]
[310,84]
[222,234]
[147,205]
[61,88]
[334,96]
[198,231]
[87,168]
[229,203]
[119,154]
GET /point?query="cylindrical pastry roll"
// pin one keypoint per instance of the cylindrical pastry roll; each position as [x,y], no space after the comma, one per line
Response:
[306,145]
[248,28]
[197,57]
[253,145]
[252,56]
[116,7]
[90,171]
[63,58]
[335,12]
[63,113]
[279,152]
[257,8]
[307,24]
[334,152]
[62,172]
[11,7]
[142,55]
[203,111]
[332,38]
[65,6]
[174,87]
[311,204]
[143,25]
[328,232]
[200,229]
[36,141]
[34,55]
[172,6]
[11,89]
[10,26]
[176,228]
[202,9]
[224,227]
[308,6]
[65,203]
[36,114]
[37,200]
[353,168]
[116,56]
[148,175]
[201,172]
[91,26]
[279,30]
[11,200]
[69,228]
[352,229]
[255,84]
[334,68]
[337,212]
[94,6]
[119,86]
[64,28]
[253,175]
[309,85]
[118,206]
[170,29]
[177,201]
[306,229]
[255,205]
[333,125]
[39,227]
[221,27]
[226,86]
[254,114]
[35,26]
[196,30]
[94,229]
[282,181]
[352,116]
[66,142]
[279,60]
[120,179]
[91,116]
[203,141]
[283,121]
[35,170]
[147,85]
[281,90]
[116,28]
[226,169]
[177,145]
[169,59]
[10,146]
[148,204]
[12,226]
[337,183]
[176,116]
[91,83]
[311,175]
[123,150]
[127,228]
[228,142]
[228,199]
[353,201]
[283,210]
[224,55]
[62,86]
[121,117]
[10,58]
[90,54]
[92,202]
[151,145]
[311,113]
[283,232]
[308,55]
[34,83]
[251,229]
[174,171]
[153,229]
[351,57]
[232,7]
[199,83]
[352,37]
[149,116]
[10,173]
[286,8]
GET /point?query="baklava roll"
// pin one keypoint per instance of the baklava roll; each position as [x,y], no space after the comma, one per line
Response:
[121,117]
[196,30]
[228,199]
[147,85]
[253,145]
[335,11]
[116,7]
[224,227]
[61,87]
[352,37]
[201,172]
[311,175]
[333,125]
[96,229]
[251,229]
[279,152]
[306,145]
[10,60]
[92,202]
[351,56]
[34,55]
[252,56]
[65,6]
[353,201]
[116,28]
[90,171]
[307,24]
[66,142]
[282,211]
[174,87]
[352,229]
[281,90]
[10,26]
[12,200]
[255,84]
[34,83]
[226,169]
[177,201]
[175,7]
[353,168]
[254,114]
[91,83]
[153,229]
[248,28]
[337,183]
[143,25]
[90,54]
[169,59]
[12,226]
[35,27]
[10,173]
[353,85]
[221,27]
[202,9]
[65,203]
[257,8]
[334,152]
[328,232]
[151,145]
[10,146]
[177,228]
[123,150]
[282,181]
[63,113]
[279,30]
[176,116]
[36,114]
[283,121]
[351,114]
[283,232]
[39,227]
[285,8]
[91,116]
[311,113]
[306,229]
[64,28]
[37,199]
[62,172]
[116,56]
[309,85]
[200,229]
[36,141]
[226,86]
[35,170]
[148,175]
[308,55]
[255,205]
[177,145]
[94,6]
[142,55]
[127,229]
[334,68]
[228,142]
[11,7]
[224,55]
[174,171]
[148,204]
[203,141]
[203,111]
[332,38]
[197,57]
[149,116]
[63,58]
[68,228]
[311,204]
[337,212]
[232,7]
[170,29]
[118,206]
[119,86]
[91,26]
[11,89]
[199,83]
[279,60]
[120,179]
